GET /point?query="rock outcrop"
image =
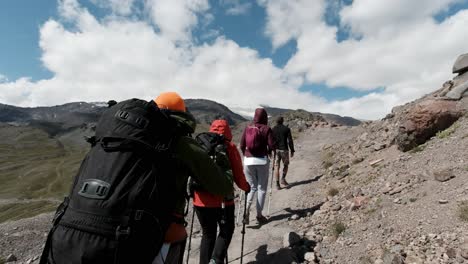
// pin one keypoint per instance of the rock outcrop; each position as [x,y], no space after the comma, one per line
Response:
[424,120]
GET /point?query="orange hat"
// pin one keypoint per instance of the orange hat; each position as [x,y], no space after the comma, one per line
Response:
[171,101]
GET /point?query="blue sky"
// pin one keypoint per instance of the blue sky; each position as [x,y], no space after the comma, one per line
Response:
[341,56]
[21,20]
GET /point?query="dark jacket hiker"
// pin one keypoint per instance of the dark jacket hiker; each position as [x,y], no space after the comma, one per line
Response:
[130,187]
[285,144]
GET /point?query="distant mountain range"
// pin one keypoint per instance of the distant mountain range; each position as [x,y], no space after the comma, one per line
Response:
[331,118]
[205,111]
[61,119]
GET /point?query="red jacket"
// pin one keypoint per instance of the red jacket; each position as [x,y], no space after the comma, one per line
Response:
[206,199]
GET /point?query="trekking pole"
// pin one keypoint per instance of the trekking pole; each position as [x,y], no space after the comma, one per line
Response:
[243,229]
[271,182]
[223,222]
[239,210]
[191,233]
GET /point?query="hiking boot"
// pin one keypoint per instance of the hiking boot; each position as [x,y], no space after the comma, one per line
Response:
[278,187]
[284,182]
[261,219]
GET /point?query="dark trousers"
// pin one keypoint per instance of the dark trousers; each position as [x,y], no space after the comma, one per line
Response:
[176,253]
[212,246]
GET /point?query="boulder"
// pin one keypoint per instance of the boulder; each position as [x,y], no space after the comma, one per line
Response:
[424,120]
[458,92]
[461,64]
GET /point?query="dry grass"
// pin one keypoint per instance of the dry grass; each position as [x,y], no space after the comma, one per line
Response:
[34,166]
[16,211]
[447,132]
[337,229]
[332,191]
[418,148]
[327,159]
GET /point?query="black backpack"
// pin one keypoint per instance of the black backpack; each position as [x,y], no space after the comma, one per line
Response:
[122,200]
[213,144]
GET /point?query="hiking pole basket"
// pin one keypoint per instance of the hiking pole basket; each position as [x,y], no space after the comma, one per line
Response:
[271,182]
[243,229]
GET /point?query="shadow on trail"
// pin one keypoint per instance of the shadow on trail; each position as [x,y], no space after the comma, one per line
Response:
[293,184]
[283,255]
[291,212]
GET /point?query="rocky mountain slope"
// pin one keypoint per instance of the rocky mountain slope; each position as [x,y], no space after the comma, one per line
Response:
[316,116]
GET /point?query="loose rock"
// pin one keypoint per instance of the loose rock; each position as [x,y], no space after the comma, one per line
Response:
[443,175]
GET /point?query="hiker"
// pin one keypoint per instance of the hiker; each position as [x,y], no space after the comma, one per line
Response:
[128,196]
[215,210]
[195,163]
[285,147]
[257,145]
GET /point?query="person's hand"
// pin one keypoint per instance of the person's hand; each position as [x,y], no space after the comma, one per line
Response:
[248,189]
[292,154]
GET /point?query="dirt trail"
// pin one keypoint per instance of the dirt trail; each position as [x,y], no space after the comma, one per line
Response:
[264,244]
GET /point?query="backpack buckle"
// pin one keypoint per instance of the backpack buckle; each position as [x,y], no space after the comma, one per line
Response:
[122,114]
[122,233]
[139,215]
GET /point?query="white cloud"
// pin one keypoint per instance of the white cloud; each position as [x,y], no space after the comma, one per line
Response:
[120,59]
[384,17]
[401,48]
[175,18]
[236,7]
[117,57]
[286,19]
[119,7]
